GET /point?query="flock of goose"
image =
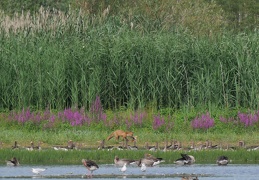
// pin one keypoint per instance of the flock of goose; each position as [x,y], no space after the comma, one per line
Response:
[174,145]
[147,161]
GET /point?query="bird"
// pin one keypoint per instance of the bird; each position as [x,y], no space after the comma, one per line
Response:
[121,162]
[155,159]
[151,148]
[132,147]
[124,168]
[90,166]
[185,159]
[15,146]
[31,147]
[222,160]
[60,148]
[108,148]
[37,147]
[38,170]
[143,167]
[13,162]
[150,160]
[190,178]
[70,145]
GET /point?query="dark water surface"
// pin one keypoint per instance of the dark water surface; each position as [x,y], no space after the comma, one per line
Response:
[109,171]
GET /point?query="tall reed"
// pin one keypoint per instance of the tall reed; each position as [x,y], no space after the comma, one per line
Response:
[60,60]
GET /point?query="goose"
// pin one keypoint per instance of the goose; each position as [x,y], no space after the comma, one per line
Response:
[60,148]
[90,166]
[70,145]
[151,148]
[143,167]
[15,146]
[31,147]
[120,148]
[185,159]
[121,162]
[134,147]
[108,148]
[252,148]
[150,160]
[222,160]
[124,168]
[13,162]
[190,178]
[38,170]
[38,147]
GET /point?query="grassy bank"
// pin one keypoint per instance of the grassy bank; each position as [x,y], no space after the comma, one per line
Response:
[106,157]
[87,139]
[225,127]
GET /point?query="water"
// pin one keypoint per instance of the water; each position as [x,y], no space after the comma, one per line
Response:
[109,171]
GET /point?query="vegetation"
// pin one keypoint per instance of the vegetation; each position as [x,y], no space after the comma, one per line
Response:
[60,61]
[102,157]
[184,70]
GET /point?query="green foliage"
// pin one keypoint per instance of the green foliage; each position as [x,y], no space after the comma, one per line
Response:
[69,67]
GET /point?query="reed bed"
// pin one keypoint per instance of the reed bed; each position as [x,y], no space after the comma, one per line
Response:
[60,60]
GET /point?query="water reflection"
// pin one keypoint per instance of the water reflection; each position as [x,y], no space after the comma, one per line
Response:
[108,171]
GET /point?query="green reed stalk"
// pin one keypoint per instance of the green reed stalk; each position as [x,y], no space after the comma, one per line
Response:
[71,62]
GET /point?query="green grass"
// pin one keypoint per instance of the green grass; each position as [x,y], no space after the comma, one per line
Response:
[91,138]
[50,156]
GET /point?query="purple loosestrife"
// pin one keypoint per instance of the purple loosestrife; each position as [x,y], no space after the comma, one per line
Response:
[161,123]
[26,115]
[96,110]
[203,122]
[46,114]
[35,118]
[23,116]
[52,118]
[137,118]
[158,121]
[248,119]
[75,118]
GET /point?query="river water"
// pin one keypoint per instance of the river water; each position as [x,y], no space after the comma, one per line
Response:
[109,171]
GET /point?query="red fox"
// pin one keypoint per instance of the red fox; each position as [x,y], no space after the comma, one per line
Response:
[120,133]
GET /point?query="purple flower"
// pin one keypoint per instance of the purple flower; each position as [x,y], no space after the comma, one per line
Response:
[158,121]
[137,118]
[248,119]
[203,122]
